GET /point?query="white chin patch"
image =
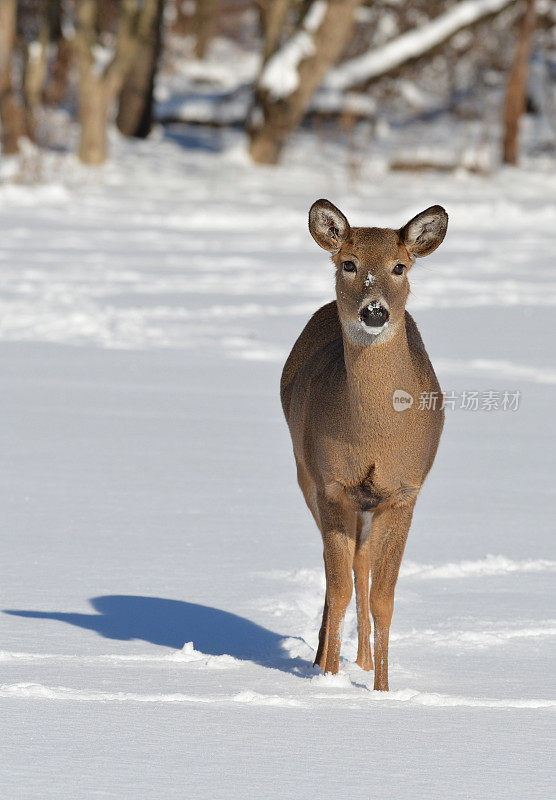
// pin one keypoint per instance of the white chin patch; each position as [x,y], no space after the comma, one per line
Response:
[373,331]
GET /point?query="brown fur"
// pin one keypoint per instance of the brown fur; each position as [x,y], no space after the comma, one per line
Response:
[354,452]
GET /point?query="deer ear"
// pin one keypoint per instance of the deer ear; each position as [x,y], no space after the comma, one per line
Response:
[328,226]
[425,232]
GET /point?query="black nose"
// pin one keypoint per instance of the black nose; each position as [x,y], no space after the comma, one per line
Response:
[374,315]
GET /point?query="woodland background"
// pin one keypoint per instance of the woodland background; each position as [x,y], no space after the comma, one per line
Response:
[360,73]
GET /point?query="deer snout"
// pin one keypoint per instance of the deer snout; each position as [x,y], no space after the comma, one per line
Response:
[373,315]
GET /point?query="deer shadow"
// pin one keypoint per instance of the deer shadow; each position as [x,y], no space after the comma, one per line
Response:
[172,623]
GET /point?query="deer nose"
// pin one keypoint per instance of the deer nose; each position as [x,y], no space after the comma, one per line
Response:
[374,315]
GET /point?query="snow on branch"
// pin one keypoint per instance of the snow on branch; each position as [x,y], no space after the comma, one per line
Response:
[280,75]
[413,44]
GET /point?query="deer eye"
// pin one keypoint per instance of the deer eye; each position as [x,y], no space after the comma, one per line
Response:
[398,269]
[349,266]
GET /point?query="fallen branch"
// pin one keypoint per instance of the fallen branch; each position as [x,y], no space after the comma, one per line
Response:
[413,44]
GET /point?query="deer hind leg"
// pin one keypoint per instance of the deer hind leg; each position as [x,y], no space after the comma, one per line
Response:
[361,569]
[338,535]
[389,531]
[309,490]
[322,649]
[307,486]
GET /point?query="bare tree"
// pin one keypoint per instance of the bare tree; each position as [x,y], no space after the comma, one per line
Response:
[100,85]
[11,113]
[136,98]
[293,70]
[516,90]
[291,75]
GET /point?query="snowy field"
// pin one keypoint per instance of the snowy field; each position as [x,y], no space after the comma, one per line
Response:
[162,579]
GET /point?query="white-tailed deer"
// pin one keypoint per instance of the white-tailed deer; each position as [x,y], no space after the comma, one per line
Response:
[360,461]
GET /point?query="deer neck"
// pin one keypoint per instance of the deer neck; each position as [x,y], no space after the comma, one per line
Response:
[374,372]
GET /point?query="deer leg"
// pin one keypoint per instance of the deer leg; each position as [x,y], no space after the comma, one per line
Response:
[338,534]
[389,531]
[310,494]
[320,658]
[361,568]
[309,490]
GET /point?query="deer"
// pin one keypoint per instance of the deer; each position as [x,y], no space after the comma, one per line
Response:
[362,457]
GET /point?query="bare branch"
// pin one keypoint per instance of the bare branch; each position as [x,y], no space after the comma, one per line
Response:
[413,44]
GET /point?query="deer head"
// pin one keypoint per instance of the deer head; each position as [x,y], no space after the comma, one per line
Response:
[372,266]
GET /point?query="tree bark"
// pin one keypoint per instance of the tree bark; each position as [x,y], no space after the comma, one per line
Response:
[273,17]
[93,117]
[136,98]
[11,113]
[56,84]
[56,87]
[34,77]
[276,115]
[516,90]
[203,25]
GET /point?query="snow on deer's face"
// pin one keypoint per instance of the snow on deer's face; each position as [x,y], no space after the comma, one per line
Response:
[371,283]
[372,265]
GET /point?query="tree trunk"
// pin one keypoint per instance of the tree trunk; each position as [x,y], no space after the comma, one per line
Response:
[203,25]
[273,16]
[136,98]
[183,20]
[57,82]
[36,60]
[97,93]
[93,117]
[516,90]
[56,87]
[34,77]
[11,115]
[322,36]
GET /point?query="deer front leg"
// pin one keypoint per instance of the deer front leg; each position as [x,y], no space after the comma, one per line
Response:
[389,531]
[361,568]
[338,535]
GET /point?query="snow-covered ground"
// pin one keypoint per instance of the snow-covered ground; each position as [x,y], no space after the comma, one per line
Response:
[162,580]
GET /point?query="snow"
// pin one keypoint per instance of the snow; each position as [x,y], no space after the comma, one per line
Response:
[280,76]
[370,279]
[490,565]
[210,91]
[162,579]
[102,56]
[411,44]
[216,89]
[35,50]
